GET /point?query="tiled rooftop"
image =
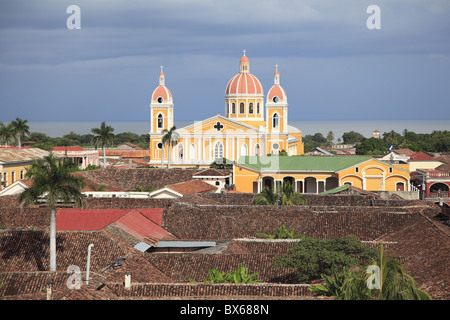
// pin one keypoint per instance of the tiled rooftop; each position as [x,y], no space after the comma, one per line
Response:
[409,227]
[116,179]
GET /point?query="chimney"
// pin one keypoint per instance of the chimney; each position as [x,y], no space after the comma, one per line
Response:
[127,280]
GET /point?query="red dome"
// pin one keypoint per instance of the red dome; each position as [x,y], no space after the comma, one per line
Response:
[244,83]
[276,91]
[161,94]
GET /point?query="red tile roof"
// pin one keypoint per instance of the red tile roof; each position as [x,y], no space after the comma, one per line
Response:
[140,226]
[86,219]
[68,148]
[420,156]
[192,186]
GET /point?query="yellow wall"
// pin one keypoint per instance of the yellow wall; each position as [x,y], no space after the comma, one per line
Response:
[9,169]
[414,165]
[155,114]
[369,176]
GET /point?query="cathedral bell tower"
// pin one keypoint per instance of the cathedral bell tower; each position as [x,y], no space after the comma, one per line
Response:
[276,107]
[161,107]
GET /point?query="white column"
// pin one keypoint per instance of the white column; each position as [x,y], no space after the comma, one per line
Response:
[210,149]
[234,146]
[203,148]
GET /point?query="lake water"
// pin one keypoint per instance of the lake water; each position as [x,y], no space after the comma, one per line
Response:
[365,127]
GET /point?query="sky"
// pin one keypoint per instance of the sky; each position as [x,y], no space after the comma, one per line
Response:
[332,66]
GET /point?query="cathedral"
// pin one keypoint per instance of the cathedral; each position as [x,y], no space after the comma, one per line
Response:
[249,128]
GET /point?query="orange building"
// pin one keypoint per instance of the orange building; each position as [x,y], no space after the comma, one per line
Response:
[315,174]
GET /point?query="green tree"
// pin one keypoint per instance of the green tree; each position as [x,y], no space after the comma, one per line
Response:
[170,139]
[7,133]
[352,137]
[393,138]
[372,146]
[52,181]
[313,257]
[240,275]
[333,283]
[391,283]
[330,137]
[21,129]
[286,197]
[266,197]
[312,141]
[104,136]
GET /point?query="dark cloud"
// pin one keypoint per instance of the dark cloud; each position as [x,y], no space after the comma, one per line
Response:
[332,65]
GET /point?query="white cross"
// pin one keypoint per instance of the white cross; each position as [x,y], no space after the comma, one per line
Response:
[244,52]
[276,67]
[162,68]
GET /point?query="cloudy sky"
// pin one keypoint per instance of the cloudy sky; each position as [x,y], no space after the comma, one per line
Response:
[332,66]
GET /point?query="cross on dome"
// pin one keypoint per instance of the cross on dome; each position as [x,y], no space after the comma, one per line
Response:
[244,52]
[276,67]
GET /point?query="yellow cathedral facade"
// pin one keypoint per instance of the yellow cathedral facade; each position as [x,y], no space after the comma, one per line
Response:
[252,125]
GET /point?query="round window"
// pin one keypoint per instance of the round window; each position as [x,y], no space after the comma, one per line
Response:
[275,99]
[159,145]
[275,146]
[160,100]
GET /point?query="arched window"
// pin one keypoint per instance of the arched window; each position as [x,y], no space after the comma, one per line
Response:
[250,108]
[257,108]
[241,108]
[275,120]
[257,150]
[233,108]
[218,150]
[243,149]
[160,121]
[193,152]
[180,151]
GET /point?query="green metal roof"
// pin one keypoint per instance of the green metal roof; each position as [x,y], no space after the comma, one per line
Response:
[300,163]
[336,190]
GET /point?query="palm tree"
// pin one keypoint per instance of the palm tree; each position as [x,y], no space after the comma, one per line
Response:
[21,129]
[7,133]
[170,139]
[266,197]
[285,197]
[392,283]
[104,137]
[52,181]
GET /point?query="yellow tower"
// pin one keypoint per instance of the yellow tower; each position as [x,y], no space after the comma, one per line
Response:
[161,117]
[161,107]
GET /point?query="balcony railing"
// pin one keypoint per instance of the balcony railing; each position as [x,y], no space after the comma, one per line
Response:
[439,194]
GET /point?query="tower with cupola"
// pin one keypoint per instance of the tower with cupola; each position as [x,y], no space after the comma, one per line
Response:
[244,97]
[161,107]
[277,107]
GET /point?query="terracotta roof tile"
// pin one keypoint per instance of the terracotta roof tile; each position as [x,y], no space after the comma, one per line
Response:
[420,156]
[192,186]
